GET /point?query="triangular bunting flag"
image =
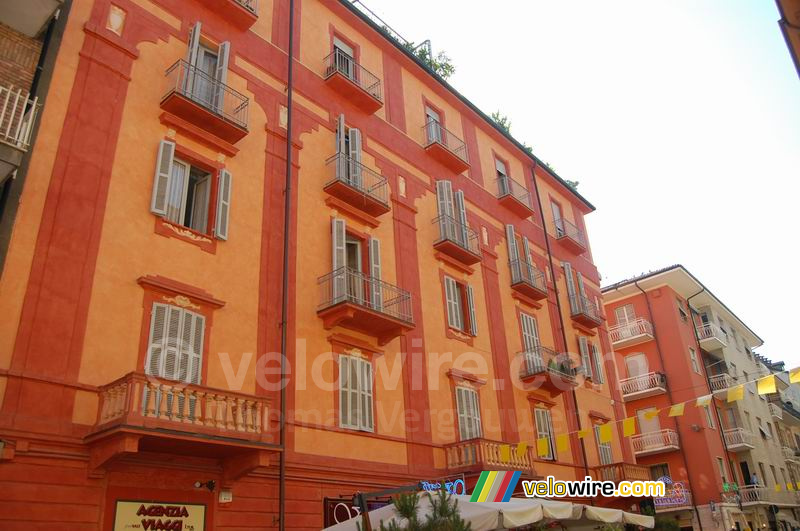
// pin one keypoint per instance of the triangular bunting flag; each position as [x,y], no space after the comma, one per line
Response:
[521,449]
[562,443]
[651,414]
[543,447]
[777,487]
[629,426]
[605,433]
[505,453]
[735,393]
[766,385]
[789,486]
[703,401]
[794,375]
[677,409]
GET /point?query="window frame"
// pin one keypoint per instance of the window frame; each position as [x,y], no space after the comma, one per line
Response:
[464,313]
[360,391]
[469,423]
[547,416]
[693,361]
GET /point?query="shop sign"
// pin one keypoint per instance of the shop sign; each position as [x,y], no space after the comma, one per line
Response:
[338,510]
[457,487]
[158,516]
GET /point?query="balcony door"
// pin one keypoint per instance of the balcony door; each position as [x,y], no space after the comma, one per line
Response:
[625,315]
[434,127]
[557,219]
[344,58]
[636,364]
[353,262]
[647,425]
[208,71]
[530,341]
[356,268]
[204,90]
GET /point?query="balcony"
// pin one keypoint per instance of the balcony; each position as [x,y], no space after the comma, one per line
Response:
[721,381]
[776,411]
[514,196]
[621,472]
[242,13]
[789,454]
[655,442]
[570,236]
[357,185]
[711,337]
[477,455]
[139,413]
[457,240]
[528,280]
[650,384]
[676,498]
[631,333]
[358,85]
[198,98]
[757,494]
[584,312]
[738,439]
[17,116]
[551,370]
[354,300]
[445,147]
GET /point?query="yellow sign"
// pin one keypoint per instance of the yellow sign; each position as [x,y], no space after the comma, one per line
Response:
[157,516]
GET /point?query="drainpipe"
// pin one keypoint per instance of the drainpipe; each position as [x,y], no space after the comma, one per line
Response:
[287,205]
[560,314]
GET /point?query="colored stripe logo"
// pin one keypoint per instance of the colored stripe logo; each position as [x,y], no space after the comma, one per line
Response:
[495,486]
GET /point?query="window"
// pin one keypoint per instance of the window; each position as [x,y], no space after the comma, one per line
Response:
[659,471]
[175,349]
[344,57]
[721,468]
[577,295]
[469,413]
[682,311]
[603,449]
[452,218]
[693,358]
[348,155]
[763,474]
[597,358]
[182,192]
[750,387]
[558,219]
[625,314]
[770,434]
[522,267]
[709,416]
[774,474]
[530,341]
[434,125]
[206,79]
[355,393]
[349,257]
[460,306]
[544,430]
[747,419]
[503,186]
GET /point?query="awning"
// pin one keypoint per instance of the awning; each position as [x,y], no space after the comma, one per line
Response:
[485,516]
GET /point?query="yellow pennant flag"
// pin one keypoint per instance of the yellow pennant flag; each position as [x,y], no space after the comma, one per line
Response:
[735,393]
[651,414]
[766,385]
[629,426]
[794,375]
[703,401]
[505,453]
[582,434]
[798,485]
[789,486]
[562,443]
[777,487]
[521,449]
[542,446]
[677,410]
[605,433]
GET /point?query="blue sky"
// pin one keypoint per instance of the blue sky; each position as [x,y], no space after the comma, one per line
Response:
[680,119]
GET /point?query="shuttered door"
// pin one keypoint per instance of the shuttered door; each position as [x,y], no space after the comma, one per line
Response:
[355,158]
[462,229]
[444,201]
[469,417]
[338,261]
[473,322]
[376,293]
[598,364]
[603,449]
[455,316]
[513,254]
[573,299]
[544,429]
[223,204]
[586,359]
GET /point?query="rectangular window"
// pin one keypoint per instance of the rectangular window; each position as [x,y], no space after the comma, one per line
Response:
[544,429]
[344,57]
[682,311]
[625,314]
[659,471]
[721,467]
[433,125]
[176,344]
[355,394]
[603,449]
[469,413]
[693,358]
[586,358]
[530,341]
[557,219]
[597,359]
[460,302]
[709,416]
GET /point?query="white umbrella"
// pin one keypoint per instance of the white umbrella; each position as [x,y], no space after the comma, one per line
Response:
[487,516]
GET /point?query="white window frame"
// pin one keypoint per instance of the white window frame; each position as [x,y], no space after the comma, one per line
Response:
[468,409]
[694,361]
[604,452]
[544,429]
[361,390]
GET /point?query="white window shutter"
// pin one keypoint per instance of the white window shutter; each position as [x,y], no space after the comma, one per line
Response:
[454,314]
[173,341]
[339,285]
[341,149]
[530,332]
[526,249]
[444,202]
[462,231]
[221,75]
[473,325]
[161,182]
[586,359]
[158,334]
[355,157]
[573,302]
[194,44]
[367,416]
[581,288]
[511,243]
[375,272]
[598,363]
[222,221]
[344,391]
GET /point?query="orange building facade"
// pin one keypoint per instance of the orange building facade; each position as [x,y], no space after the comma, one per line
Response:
[443,306]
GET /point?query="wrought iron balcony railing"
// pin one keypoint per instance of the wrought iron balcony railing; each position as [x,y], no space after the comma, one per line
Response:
[523,272]
[435,133]
[357,176]
[211,94]
[566,229]
[506,186]
[542,360]
[250,5]
[339,62]
[17,115]
[453,230]
[582,306]
[352,286]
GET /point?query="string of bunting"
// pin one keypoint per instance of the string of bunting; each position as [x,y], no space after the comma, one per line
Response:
[764,386]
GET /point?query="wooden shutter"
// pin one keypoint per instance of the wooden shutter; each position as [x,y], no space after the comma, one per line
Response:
[462,231]
[355,157]
[511,242]
[476,413]
[191,359]
[166,156]
[469,415]
[365,384]
[344,391]
[221,75]
[530,332]
[526,249]
[194,44]
[586,359]
[444,198]
[338,258]
[603,449]
[544,429]
[598,364]
[223,204]
[581,289]
[461,410]
[375,272]
[473,324]
[455,317]
[158,333]
[573,302]
[170,367]
[341,149]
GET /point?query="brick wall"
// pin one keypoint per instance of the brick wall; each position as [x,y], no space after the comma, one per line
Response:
[18,57]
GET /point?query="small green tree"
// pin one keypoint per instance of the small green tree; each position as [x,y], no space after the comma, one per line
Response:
[444,515]
[439,63]
[502,120]
[572,184]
